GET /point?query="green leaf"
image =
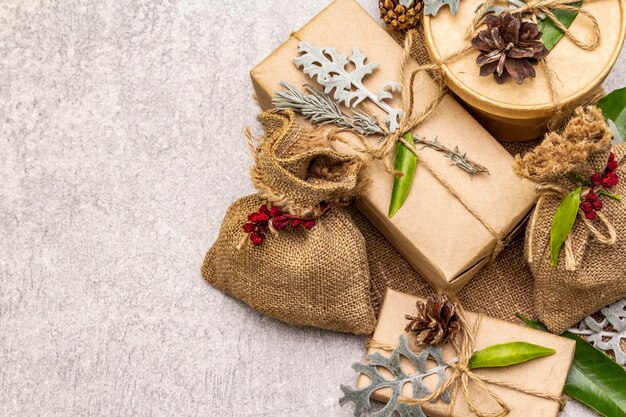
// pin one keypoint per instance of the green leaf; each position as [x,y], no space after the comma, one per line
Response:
[563,222]
[551,33]
[508,354]
[594,379]
[613,105]
[405,161]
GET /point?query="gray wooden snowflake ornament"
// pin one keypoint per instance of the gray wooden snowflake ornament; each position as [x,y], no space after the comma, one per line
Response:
[360,397]
[601,335]
[346,87]
[432,6]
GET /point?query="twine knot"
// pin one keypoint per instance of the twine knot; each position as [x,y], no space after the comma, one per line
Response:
[546,190]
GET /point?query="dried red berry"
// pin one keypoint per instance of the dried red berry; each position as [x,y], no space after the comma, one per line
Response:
[263,209]
[253,217]
[249,227]
[308,224]
[295,223]
[262,217]
[586,206]
[611,156]
[256,239]
[275,211]
[591,196]
[597,205]
[612,166]
[596,179]
[610,179]
[280,222]
[591,215]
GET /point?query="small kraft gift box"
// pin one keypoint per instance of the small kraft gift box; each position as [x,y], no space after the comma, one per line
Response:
[569,75]
[526,389]
[452,223]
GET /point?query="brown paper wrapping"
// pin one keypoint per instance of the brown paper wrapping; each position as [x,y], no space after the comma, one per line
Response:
[521,112]
[437,235]
[546,375]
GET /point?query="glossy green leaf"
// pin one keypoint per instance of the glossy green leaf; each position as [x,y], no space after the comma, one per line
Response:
[594,379]
[508,354]
[405,161]
[563,222]
[551,33]
[613,105]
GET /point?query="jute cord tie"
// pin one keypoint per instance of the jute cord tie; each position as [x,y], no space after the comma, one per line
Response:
[462,375]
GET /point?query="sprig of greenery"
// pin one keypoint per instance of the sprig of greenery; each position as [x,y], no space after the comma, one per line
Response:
[321,109]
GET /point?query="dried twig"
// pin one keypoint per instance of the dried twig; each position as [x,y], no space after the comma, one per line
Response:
[455,156]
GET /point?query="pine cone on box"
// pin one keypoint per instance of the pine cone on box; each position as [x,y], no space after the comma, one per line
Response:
[401,15]
[509,47]
[436,321]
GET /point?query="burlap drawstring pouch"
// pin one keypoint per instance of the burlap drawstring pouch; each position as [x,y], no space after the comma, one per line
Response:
[305,261]
[589,272]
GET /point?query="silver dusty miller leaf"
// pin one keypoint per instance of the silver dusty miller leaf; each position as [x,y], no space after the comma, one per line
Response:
[598,333]
[361,397]
[346,87]
[433,6]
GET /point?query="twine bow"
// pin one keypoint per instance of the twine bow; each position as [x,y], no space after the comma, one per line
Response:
[554,190]
[462,376]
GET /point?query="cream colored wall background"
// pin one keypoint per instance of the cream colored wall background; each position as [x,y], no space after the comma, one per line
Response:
[120,150]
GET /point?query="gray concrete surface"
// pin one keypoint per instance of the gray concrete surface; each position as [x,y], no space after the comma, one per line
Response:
[121,149]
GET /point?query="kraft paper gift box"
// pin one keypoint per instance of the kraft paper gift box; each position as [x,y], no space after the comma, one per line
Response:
[546,375]
[434,231]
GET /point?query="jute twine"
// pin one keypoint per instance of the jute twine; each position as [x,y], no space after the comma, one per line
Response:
[548,190]
[461,377]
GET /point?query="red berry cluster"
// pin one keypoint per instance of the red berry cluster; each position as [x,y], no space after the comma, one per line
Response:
[607,179]
[260,222]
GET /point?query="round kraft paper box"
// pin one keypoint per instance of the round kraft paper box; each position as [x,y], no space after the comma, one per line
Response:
[513,112]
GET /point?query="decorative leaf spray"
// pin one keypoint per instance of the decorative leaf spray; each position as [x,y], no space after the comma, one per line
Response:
[609,333]
[344,87]
[329,67]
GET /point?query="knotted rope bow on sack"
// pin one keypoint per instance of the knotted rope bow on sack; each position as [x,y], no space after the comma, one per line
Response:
[555,190]
[462,376]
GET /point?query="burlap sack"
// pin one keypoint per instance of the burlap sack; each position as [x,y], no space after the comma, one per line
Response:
[316,277]
[591,275]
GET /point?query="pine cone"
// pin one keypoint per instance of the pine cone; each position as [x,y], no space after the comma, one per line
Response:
[401,15]
[509,46]
[436,321]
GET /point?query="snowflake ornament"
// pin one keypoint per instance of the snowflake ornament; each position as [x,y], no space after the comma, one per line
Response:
[360,397]
[603,337]
[346,87]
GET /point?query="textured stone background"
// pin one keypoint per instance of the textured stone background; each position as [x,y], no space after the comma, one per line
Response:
[121,149]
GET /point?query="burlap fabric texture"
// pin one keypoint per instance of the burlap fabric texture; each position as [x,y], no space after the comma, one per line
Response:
[590,272]
[316,277]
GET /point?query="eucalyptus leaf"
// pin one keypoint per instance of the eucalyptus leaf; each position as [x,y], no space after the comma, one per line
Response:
[551,33]
[563,222]
[508,354]
[594,379]
[405,161]
[613,105]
